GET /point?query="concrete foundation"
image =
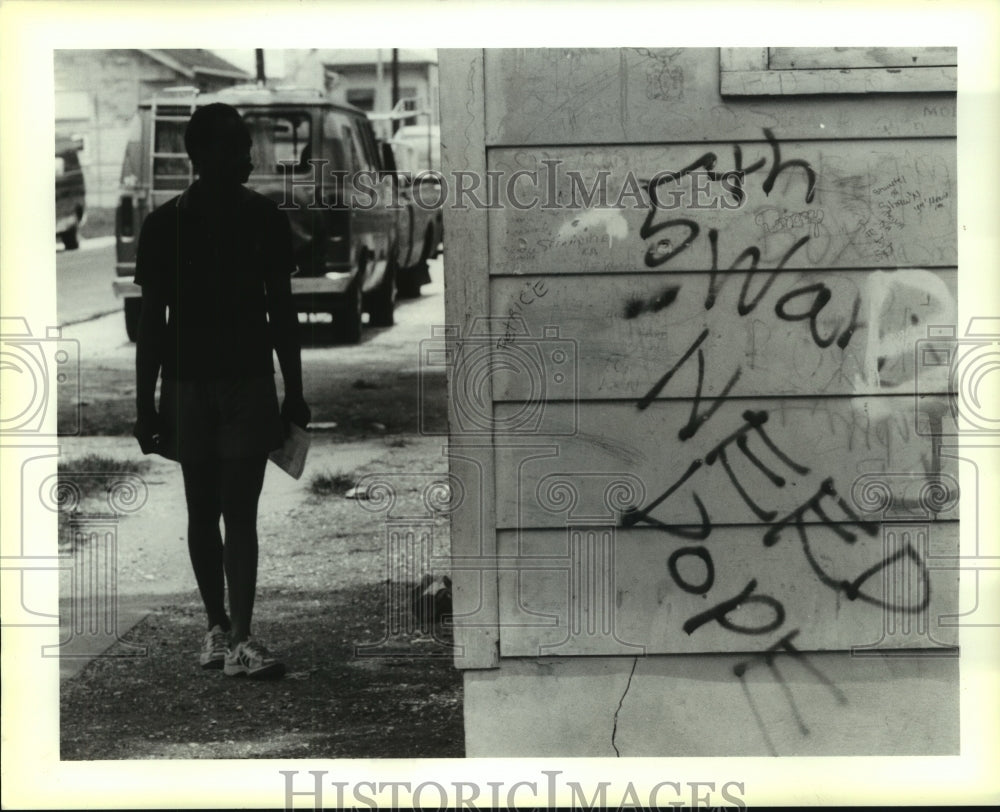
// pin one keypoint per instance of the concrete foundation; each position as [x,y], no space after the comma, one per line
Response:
[828,705]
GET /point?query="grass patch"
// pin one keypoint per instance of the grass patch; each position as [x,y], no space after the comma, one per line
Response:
[327,484]
[91,474]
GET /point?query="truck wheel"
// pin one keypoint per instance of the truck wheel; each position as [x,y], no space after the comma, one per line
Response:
[383,301]
[347,317]
[419,274]
[411,280]
[70,239]
[132,307]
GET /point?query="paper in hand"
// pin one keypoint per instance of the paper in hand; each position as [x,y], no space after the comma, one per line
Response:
[291,457]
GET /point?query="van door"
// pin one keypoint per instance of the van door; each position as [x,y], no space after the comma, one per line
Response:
[371,218]
[339,168]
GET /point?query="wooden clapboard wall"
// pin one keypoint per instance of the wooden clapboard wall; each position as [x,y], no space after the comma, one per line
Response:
[730,399]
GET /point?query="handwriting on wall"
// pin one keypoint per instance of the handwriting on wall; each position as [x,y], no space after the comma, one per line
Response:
[632,328]
[758,205]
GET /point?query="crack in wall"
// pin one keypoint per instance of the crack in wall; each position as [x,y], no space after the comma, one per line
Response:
[614,729]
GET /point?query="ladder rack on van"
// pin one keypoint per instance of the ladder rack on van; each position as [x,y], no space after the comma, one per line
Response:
[173,113]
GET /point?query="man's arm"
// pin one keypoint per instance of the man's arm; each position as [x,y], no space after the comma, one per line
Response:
[283,320]
[149,341]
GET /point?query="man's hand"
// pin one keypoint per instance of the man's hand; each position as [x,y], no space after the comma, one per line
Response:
[147,432]
[294,410]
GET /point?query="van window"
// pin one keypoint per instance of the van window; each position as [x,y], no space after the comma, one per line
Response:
[356,158]
[336,148]
[282,142]
[131,164]
[371,160]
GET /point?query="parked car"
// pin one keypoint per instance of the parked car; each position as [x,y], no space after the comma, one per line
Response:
[71,192]
[420,219]
[346,245]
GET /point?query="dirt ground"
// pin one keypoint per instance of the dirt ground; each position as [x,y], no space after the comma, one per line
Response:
[331,703]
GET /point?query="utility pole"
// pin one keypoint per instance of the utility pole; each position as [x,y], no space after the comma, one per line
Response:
[395,87]
[379,104]
[259,52]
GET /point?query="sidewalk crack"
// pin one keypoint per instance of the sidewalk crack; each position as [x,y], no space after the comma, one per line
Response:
[614,730]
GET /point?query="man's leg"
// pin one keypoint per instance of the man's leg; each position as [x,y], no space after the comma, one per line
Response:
[202,491]
[241,483]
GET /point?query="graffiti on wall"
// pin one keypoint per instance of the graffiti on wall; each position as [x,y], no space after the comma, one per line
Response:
[753,262]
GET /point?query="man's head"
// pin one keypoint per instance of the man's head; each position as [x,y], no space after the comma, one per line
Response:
[218,143]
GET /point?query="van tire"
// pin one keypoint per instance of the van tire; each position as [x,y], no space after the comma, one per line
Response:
[383,300]
[133,306]
[71,239]
[347,317]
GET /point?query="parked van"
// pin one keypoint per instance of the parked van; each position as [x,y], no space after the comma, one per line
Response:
[71,193]
[346,252]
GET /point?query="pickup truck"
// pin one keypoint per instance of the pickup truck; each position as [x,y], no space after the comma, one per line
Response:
[420,222]
[70,192]
[310,154]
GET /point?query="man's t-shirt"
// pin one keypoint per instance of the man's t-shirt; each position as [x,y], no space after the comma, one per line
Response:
[213,266]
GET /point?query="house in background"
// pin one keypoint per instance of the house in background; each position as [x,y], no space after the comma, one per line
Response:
[363,78]
[97,93]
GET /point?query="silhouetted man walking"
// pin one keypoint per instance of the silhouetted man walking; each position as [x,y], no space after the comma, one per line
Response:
[215,265]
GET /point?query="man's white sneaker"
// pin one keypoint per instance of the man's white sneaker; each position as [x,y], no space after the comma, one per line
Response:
[251,659]
[214,649]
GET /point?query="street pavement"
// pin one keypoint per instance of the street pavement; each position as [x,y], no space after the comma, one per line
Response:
[93,317]
[83,281]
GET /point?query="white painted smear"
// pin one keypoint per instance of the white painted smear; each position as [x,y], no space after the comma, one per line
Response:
[612,221]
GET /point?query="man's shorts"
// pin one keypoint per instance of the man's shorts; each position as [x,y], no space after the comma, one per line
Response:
[219,419]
